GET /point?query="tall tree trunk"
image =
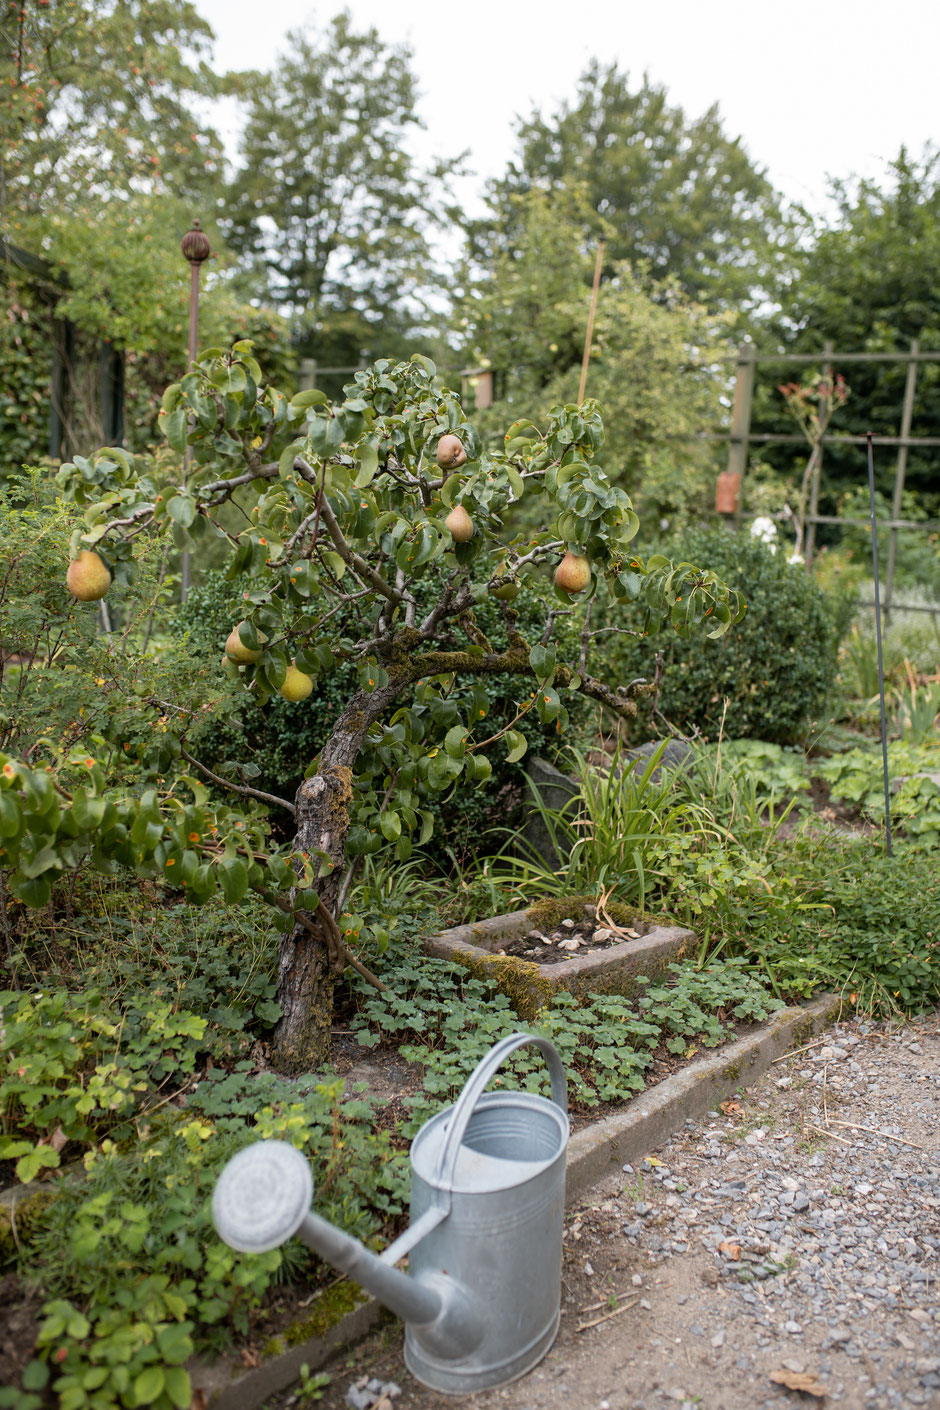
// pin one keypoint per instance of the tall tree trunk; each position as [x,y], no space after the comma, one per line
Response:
[302,1040]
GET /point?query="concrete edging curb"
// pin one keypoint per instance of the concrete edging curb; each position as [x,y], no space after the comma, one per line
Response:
[654,1115]
[594,1152]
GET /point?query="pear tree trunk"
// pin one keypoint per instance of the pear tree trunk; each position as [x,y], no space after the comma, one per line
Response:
[302,1040]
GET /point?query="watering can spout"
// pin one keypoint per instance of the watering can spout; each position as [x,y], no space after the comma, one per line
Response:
[263,1199]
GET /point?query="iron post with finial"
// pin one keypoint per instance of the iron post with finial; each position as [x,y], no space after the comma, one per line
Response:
[195,247]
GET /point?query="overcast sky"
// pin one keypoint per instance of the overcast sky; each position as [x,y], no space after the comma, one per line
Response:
[812,92]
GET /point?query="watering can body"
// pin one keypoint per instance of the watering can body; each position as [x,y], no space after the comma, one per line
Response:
[502,1235]
[481,1299]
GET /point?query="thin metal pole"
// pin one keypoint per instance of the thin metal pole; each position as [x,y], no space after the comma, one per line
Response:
[590,325]
[881,664]
[185,569]
[195,248]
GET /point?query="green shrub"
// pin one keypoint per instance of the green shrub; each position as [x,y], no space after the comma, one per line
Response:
[278,741]
[775,668]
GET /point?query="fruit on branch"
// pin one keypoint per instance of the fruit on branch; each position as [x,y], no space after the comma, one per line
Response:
[297,685]
[236,650]
[460,524]
[87,578]
[450,452]
[573,573]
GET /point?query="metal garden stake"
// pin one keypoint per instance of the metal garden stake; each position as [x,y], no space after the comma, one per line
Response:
[881,664]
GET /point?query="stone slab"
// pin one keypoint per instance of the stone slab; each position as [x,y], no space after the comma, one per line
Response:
[613,970]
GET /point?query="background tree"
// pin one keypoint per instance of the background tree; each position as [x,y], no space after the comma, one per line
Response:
[97,98]
[677,195]
[328,209]
[525,316]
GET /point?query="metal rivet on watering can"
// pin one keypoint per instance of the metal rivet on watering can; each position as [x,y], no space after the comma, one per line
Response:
[481,1300]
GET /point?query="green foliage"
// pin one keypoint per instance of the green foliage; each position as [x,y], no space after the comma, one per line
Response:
[76,1068]
[329,208]
[137,1279]
[444,1020]
[857,776]
[50,650]
[523,314]
[99,95]
[775,670]
[614,835]
[272,746]
[870,929]
[679,196]
[390,510]
[218,963]
[864,280]
[24,377]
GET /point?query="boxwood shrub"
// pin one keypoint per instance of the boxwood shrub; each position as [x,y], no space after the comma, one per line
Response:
[775,669]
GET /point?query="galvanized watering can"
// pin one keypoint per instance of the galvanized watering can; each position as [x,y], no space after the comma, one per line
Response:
[482,1296]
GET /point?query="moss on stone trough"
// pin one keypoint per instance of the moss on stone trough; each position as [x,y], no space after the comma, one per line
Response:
[329,1308]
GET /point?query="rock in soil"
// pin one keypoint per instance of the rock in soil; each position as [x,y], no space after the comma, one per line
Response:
[783,1253]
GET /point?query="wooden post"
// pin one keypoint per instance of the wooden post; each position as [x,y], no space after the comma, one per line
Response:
[590,325]
[741,415]
[63,347]
[809,545]
[308,374]
[907,416]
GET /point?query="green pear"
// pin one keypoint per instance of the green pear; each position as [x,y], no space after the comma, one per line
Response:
[460,524]
[297,685]
[87,578]
[238,651]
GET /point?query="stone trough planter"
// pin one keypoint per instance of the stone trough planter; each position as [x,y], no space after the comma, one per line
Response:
[529,985]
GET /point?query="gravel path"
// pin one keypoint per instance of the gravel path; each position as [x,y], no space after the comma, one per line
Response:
[794,1233]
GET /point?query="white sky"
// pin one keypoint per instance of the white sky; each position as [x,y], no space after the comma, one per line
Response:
[813,92]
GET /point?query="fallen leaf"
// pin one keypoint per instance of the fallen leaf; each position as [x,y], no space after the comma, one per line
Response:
[199,1401]
[804,1381]
[250,1358]
[731,1107]
[730,1250]
[58,1139]
[651,1160]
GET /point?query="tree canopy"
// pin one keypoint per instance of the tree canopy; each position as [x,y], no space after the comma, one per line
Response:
[328,208]
[96,98]
[525,314]
[677,195]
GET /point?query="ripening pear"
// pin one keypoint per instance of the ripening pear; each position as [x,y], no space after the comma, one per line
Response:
[297,684]
[87,578]
[236,649]
[573,573]
[460,524]
[450,452]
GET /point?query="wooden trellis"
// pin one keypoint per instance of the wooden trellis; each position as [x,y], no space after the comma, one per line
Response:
[741,437]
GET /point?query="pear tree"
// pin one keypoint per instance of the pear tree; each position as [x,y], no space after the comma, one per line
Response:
[372,530]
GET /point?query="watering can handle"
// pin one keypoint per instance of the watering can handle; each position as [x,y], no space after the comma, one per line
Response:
[476,1085]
